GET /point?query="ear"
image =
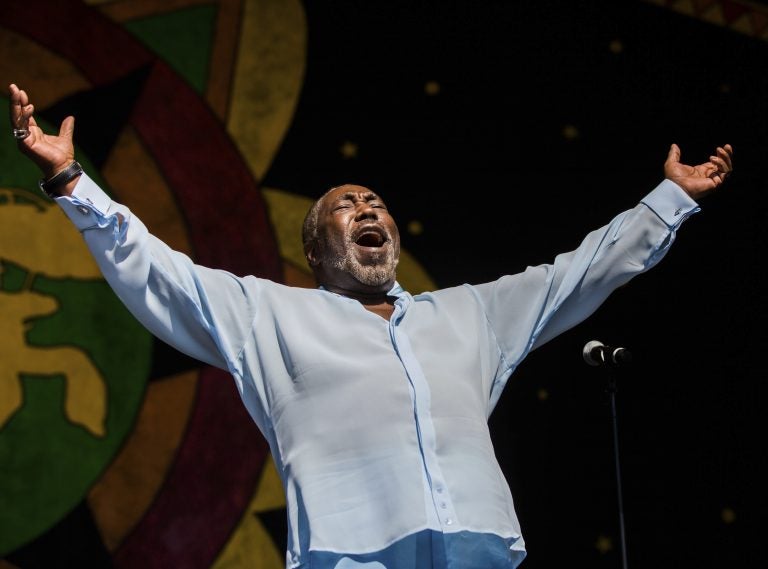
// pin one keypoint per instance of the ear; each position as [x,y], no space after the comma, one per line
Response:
[310,252]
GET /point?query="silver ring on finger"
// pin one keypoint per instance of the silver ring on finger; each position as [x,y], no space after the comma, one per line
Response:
[20,133]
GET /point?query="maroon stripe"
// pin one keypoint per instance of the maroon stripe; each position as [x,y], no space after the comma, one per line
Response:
[102,50]
[207,488]
[228,221]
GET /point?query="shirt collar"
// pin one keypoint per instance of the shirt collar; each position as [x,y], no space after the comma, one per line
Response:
[396,290]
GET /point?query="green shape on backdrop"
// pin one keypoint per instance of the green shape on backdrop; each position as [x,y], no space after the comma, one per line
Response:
[182,38]
[47,463]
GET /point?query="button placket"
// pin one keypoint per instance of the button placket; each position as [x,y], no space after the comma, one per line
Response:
[441,505]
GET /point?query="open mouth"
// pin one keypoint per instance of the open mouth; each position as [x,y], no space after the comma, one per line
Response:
[371,238]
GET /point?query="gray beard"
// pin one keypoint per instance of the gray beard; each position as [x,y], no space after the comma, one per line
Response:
[372,275]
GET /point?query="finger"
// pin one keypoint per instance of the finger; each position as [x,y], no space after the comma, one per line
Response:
[725,155]
[707,170]
[20,108]
[15,106]
[23,98]
[715,174]
[34,133]
[721,164]
[673,156]
[67,127]
[15,94]
[23,116]
[718,179]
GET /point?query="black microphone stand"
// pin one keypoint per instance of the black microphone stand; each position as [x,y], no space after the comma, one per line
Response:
[610,359]
[612,388]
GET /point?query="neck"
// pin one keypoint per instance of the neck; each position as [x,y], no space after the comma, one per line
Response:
[366,297]
[376,301]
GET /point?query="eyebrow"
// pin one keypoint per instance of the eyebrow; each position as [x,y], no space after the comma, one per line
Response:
[367,196]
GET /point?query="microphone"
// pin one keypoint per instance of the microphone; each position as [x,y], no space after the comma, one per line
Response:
[596,354]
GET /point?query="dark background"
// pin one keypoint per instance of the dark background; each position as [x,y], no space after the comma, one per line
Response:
[485,167]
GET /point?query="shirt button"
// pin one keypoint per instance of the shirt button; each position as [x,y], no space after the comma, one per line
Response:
[439,489]
[448,521]
[443,505]
[84,210]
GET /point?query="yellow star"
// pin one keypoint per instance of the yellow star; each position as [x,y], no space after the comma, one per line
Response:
[570,132]
[415,227]
[616,46]
[432,88]
[603,544]
[348,150]
[728,515]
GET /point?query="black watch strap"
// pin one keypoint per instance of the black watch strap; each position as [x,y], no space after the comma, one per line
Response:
[65,176]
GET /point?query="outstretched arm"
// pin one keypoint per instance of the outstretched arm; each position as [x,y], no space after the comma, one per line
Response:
[528,309]
[203,312]
[51,153]
[702,179]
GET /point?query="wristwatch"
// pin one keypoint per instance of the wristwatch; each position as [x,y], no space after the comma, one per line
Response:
[48,187]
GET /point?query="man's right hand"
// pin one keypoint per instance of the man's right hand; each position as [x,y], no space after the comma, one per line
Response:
[51,153]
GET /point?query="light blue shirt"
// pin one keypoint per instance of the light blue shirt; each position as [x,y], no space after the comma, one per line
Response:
[379,429]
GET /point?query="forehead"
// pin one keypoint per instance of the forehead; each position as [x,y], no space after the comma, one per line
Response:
[349,192]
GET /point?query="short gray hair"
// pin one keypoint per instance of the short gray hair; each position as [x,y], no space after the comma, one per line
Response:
[309,228]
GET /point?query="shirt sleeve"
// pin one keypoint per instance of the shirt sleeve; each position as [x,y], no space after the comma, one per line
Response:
[530,308]
[204,313]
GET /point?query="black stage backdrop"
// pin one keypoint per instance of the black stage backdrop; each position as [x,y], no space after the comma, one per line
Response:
[551,118]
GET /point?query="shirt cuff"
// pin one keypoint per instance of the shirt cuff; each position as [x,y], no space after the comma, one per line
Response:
[671,203]
[88,206]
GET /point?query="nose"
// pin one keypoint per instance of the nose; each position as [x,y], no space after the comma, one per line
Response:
[365,211]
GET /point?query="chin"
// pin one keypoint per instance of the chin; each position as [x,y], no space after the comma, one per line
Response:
[373,275]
